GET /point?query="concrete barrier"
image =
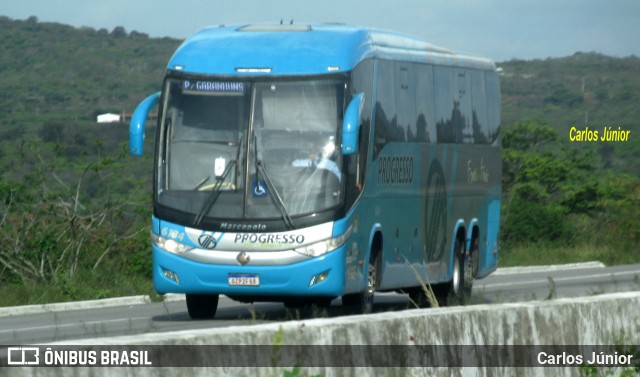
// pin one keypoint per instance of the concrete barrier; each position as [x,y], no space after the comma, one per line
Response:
[611,319]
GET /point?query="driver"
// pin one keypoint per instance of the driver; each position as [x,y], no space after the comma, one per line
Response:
[321,160]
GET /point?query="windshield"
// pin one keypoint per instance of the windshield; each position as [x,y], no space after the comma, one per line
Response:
[250,150]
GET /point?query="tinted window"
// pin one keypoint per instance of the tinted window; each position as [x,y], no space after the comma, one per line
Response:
[443,89]
[362,82]
[493,104]
[405,104]
[461,115]
[385,106]
[479,108]
[425,103]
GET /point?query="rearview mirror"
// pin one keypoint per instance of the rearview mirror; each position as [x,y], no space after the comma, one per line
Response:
[351,125]
[137,125]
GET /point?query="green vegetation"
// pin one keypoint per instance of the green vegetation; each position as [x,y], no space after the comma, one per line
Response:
[75,208]
[585,89]
[560,205]
[569,201]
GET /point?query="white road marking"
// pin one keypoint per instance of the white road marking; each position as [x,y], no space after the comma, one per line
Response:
[569,278]
[555,267]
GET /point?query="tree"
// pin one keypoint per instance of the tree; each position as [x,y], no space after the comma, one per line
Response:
[50,228]
[536,181]
[119,32]
[52,132]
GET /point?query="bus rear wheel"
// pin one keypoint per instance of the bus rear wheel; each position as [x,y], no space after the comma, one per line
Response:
[202,306]
[470,267]
[457,290]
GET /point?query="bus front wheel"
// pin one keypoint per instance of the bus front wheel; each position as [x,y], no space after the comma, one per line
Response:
[202,306]
[363,301]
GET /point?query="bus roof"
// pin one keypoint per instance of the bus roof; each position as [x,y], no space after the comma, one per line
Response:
[300,49]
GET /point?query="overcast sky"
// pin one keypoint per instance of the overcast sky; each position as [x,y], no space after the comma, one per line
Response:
[498,29]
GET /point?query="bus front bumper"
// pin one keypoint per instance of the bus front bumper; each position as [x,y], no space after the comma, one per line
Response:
[322,276]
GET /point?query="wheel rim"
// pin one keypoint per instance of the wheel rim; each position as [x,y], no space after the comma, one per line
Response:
[367,296]
[371,281]
[468,271]
[456,275]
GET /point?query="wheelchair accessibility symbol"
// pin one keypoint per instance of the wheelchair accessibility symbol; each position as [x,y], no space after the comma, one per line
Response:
[259,189]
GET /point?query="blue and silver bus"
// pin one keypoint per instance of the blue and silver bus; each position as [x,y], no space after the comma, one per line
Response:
[302,163]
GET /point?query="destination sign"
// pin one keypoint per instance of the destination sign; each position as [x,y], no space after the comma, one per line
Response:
[213,86]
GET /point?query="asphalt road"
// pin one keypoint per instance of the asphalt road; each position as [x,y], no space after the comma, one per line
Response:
[507,285]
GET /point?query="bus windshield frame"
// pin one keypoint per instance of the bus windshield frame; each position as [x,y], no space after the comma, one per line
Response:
[259,149]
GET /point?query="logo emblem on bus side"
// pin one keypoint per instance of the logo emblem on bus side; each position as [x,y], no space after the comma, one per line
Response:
[207,241]
[243,258]
[436,212]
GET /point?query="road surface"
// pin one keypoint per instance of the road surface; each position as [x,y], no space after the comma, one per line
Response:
[508,285]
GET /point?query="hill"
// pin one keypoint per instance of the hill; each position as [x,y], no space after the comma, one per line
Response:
[56,73]
[583,90]
[51,71]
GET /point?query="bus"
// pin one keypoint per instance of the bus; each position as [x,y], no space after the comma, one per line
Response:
[303,163]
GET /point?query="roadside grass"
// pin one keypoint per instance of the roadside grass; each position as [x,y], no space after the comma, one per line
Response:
[83,286]
[545,254]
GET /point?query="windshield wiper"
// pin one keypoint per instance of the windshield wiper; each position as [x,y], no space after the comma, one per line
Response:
[215,193]
[202,182]
[215,190]
[271,188]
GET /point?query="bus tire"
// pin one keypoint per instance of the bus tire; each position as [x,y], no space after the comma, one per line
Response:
[453,293]
[363,301]
[470,267]
[202,306]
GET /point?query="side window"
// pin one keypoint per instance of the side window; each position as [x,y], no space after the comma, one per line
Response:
[405,103]
[479,124]
[493,104]
[361,82]
[462,106]
[425,103]
[385,110]
[443,89]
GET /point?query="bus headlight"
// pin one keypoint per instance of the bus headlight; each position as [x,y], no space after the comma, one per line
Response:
[167,244]
[320,248]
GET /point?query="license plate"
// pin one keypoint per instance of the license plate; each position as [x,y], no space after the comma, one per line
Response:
[244,280]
